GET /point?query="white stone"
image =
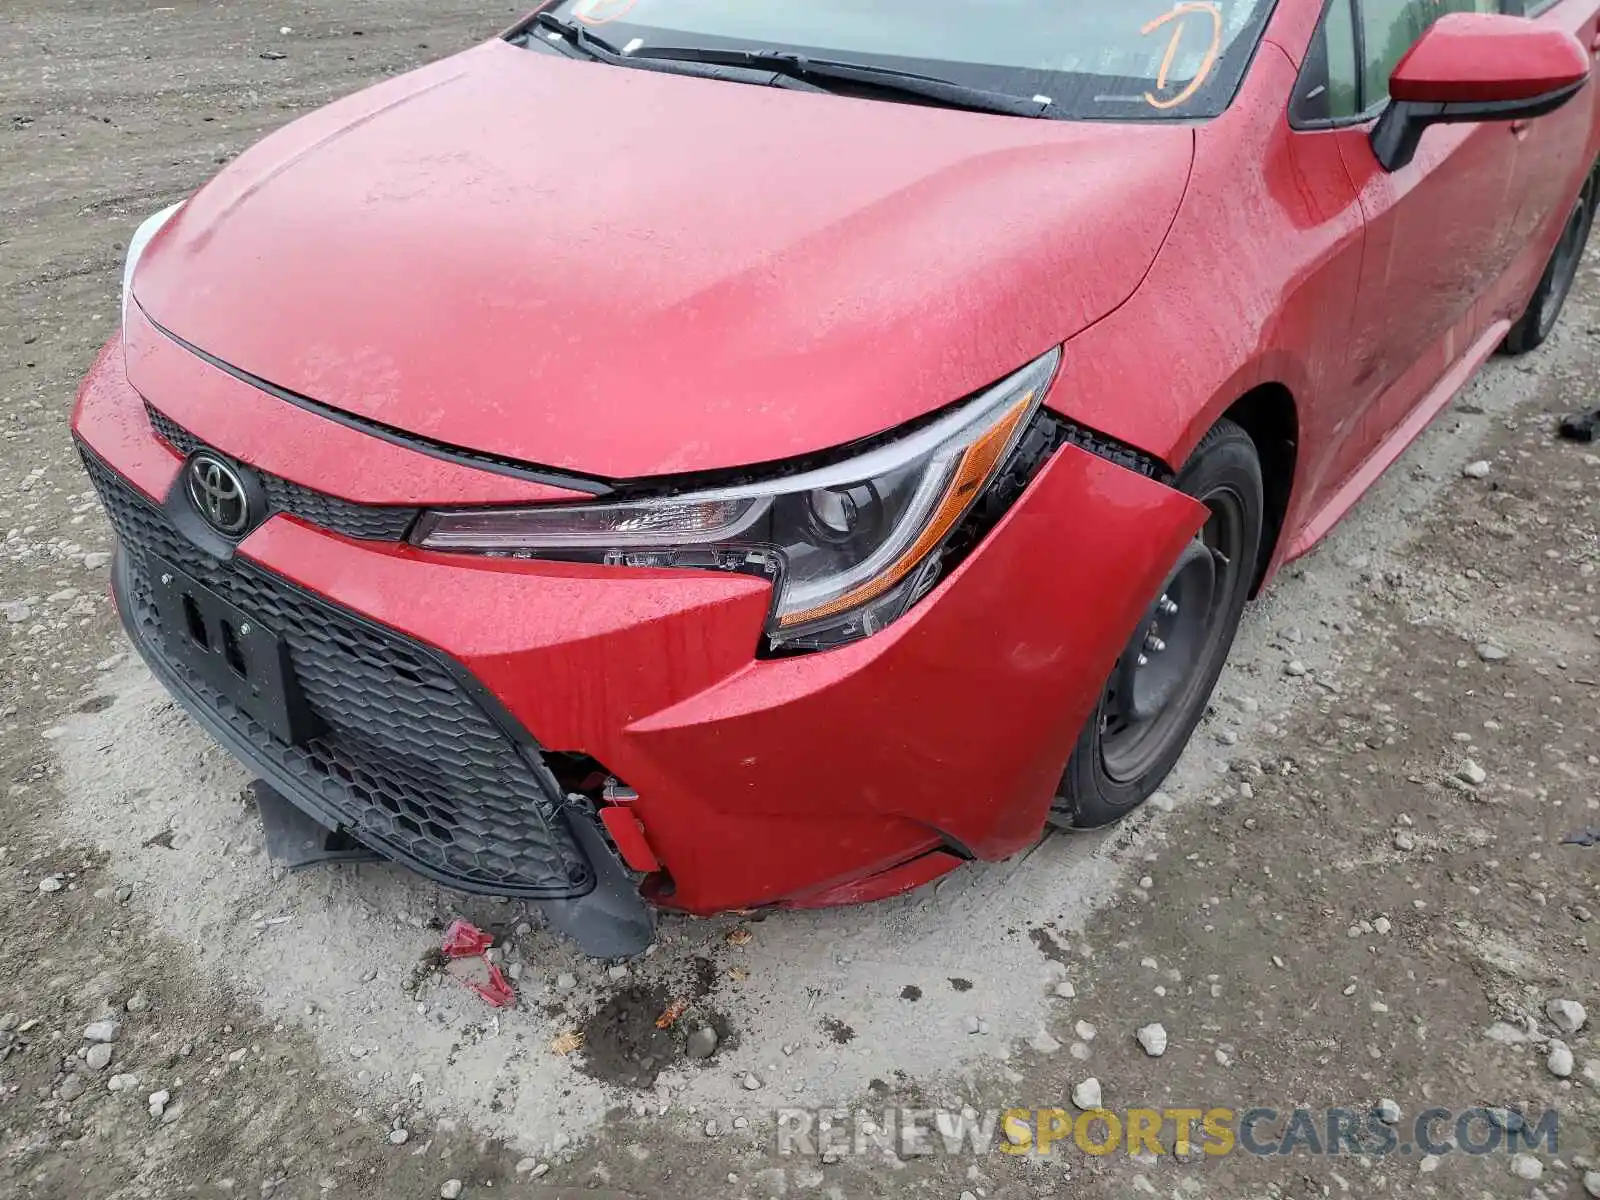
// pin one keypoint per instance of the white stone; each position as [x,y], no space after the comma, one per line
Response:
[1560,1060]
[1087,1094]
[1568,1015]
[1154,1039]
[1526,1166]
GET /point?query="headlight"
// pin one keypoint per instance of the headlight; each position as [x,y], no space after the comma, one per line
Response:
[136,247]
[848,547]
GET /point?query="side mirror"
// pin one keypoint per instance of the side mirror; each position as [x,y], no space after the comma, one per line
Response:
[1476,67]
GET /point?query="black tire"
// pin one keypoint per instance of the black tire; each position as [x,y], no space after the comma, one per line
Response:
[1119,760]
[1544,308]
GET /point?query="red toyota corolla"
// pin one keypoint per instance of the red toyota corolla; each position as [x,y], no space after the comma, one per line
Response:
[708,454]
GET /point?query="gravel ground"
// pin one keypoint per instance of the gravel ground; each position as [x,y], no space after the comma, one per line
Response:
[1354,888]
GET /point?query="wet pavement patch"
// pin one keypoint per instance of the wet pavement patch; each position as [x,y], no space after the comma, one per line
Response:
[837,1030]
[1047,944]
[621,1042]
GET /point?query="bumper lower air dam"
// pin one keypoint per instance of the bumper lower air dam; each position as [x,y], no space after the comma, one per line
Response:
[412,757]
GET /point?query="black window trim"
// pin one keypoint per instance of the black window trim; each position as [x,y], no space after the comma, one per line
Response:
[1366,114]
[1370,113]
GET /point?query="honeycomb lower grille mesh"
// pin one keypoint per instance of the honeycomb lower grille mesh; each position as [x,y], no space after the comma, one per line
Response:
[371,522]
[408,761]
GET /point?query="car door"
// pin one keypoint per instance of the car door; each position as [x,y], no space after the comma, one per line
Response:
[1554,154]
[1437,230]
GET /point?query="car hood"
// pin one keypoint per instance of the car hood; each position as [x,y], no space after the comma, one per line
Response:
[627,273]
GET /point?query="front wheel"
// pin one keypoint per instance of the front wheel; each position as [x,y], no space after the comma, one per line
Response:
[1159,687]
[1544,309]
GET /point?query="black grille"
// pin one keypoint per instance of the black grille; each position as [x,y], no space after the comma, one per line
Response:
[409,762]
[371,522]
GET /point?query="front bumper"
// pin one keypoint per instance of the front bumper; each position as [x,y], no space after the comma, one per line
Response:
[823,778]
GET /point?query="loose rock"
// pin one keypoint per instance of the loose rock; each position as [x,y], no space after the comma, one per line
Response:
[450,1189]
[71,1088]
[1044,1042]
[1404,841]
[1472,773]
[1489,652]
[51,883]
[1154,1039]
[1560,1060]
[752,1084]
[702,1043]
[1388,1111]
[1087,1094]
[1476,470]
[98,1057]
[1567,1015]
[1526,1166]
[103,1031]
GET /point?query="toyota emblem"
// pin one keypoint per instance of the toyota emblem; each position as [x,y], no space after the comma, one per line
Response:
[218,494]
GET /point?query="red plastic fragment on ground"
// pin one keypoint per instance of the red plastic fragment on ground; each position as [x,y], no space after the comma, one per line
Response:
[497,991]
[464,939]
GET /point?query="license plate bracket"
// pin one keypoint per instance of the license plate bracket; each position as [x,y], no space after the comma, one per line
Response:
[232,652]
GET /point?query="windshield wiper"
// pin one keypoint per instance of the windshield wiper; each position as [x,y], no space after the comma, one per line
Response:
[828,70]
[790,68]
[576,40]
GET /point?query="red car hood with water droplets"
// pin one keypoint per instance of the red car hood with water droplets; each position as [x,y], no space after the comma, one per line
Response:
[628,273]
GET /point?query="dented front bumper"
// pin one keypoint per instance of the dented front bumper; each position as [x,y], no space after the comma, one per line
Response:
[823,778]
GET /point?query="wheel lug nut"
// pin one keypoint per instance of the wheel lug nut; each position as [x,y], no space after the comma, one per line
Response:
[1154,643]
[1143,660]
[1168,607]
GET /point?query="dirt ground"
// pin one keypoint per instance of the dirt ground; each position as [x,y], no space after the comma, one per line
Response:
[1355,887]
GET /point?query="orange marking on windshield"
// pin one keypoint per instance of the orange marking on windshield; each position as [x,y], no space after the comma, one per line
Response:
[598,12]
[1210,60]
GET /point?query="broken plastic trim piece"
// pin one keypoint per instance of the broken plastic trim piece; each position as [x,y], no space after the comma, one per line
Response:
[297,839]
[612,920]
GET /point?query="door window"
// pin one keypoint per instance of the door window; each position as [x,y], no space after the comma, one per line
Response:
[1346,70]
[1388,29]
[1330,79]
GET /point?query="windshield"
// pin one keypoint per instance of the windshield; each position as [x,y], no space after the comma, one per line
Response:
[1094,59]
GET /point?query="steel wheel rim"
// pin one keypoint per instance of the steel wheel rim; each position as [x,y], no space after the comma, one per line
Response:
[1132,738]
